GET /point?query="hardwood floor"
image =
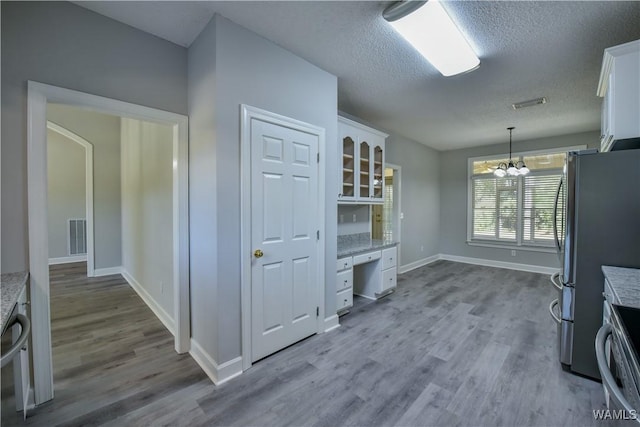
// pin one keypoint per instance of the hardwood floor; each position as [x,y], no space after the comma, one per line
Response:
[455,345]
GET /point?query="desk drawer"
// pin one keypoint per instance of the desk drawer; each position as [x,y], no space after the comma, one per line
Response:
[389,256]
[389,279]
[366,257]
[344,263]
[345,280]
[344,299]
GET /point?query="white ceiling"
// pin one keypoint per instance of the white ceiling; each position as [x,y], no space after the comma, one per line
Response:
[527,49]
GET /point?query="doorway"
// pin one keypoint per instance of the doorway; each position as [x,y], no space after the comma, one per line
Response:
[385,218]
[282,278]
[70,183]
[38,96]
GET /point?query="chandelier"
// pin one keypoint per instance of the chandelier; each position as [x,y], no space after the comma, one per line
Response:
[511,169]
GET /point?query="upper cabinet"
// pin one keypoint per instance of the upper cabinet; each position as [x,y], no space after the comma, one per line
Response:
[619,86]
[362,160]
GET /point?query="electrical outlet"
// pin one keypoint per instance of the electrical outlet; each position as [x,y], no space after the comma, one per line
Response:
[341,218]
[354,218]
[161,287]
[421,248]
[401,215]
[513,252]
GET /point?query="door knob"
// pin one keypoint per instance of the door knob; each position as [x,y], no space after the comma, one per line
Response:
[258,253]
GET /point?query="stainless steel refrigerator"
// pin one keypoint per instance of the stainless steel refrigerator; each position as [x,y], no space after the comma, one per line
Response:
[600,197]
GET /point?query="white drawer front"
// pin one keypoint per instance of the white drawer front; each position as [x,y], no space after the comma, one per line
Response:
[345,280]
[366,257]
[344,299]
[389,258]
[344,263]
[389,279]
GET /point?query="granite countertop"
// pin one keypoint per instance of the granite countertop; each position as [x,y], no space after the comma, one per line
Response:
[625,284]
[12,285]
[353,248]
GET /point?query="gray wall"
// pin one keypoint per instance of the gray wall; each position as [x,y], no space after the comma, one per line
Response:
[147,208]
[67,189]
[247,69]
[62,44]
[103,132]
[419,197]
[453,200]
[203,245]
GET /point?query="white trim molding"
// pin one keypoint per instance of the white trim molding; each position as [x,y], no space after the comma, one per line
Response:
[331,323]
[108,271]
[417,264]
[500,264]
[219,374]
[532,268]
[38,95]
[157,309]
[248,113]
[68,260]
[88,173]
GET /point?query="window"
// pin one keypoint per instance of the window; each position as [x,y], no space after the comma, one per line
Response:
[519,210]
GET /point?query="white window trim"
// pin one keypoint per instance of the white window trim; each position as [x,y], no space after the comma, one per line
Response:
[500,243]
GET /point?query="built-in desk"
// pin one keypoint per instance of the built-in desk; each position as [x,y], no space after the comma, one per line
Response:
[365,269]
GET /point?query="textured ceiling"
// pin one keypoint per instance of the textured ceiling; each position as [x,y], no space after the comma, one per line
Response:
[527,49]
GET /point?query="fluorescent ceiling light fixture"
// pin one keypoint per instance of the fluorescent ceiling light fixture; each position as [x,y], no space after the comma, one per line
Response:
[431,32]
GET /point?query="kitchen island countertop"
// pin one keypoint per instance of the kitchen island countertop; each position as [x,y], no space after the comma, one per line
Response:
[11,287]
[625,284]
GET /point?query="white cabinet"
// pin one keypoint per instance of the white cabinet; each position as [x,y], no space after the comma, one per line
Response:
[344,285]
[389,271]
[374,273]
[361,163]
[371,274]
[619,85]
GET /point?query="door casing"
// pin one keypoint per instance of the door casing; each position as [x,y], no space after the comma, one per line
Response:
[247,113]
[38,94]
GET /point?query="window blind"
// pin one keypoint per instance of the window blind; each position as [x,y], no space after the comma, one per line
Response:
[517,210]
[538,208]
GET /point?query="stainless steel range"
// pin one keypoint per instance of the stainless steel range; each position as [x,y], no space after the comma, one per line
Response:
[618,362]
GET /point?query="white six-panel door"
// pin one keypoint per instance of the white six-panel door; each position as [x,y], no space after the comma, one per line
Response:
[284,223]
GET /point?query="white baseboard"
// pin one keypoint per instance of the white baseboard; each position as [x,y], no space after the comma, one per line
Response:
[98,272]
[160,313]
[417,264]
[219,374]
[67,259]
[500,264]
[331,323]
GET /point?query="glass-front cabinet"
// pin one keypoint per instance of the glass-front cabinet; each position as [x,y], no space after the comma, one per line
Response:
[348,168]
[362,163]
[364,183]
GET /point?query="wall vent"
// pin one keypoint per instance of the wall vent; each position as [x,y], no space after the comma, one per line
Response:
[529,103]
[77,242]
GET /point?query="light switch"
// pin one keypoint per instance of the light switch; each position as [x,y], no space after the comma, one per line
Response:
[354,217]
[401,215]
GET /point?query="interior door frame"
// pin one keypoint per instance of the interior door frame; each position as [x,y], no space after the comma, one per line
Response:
[88,162]
[397,206]
[38,95]
[248,113]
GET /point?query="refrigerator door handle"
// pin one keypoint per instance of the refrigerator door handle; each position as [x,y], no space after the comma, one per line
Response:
[553,281]
[552,311]
[555,218]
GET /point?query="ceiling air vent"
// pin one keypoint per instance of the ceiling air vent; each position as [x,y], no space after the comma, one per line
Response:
[529,103]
